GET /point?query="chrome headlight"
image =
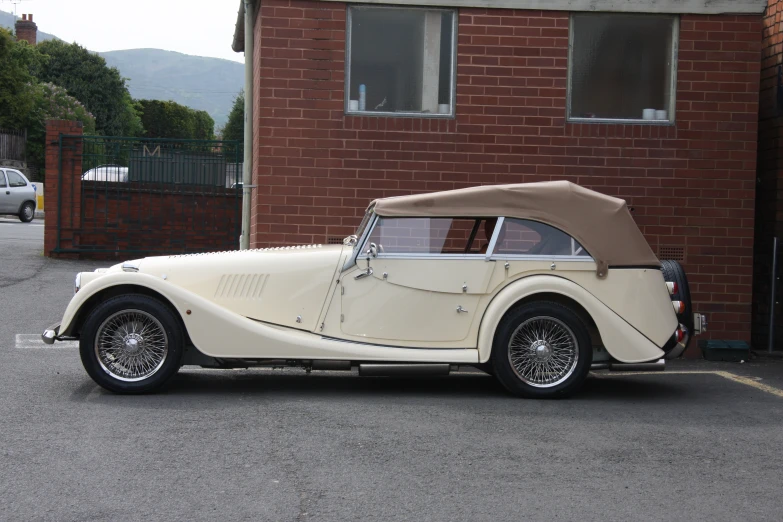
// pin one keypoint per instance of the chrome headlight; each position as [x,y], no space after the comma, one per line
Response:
[77,284]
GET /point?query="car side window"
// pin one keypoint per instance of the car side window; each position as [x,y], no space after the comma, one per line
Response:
[429,236]
[531,238]
[15,179]
[2,180]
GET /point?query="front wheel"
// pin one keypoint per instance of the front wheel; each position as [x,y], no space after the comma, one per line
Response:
[131,344]
[542,350]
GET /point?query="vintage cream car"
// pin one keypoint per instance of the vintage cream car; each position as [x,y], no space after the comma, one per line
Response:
[535,283]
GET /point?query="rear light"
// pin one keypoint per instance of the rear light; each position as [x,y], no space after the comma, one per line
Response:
[679,306]
[680,334]
[672,287]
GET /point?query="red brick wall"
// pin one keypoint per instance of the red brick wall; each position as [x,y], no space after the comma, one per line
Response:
[769,202]
[122,221]
[690,185]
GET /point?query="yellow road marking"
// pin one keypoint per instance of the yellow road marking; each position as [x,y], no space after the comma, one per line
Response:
[747,381]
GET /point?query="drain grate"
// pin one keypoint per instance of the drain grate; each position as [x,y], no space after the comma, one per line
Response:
[675,253]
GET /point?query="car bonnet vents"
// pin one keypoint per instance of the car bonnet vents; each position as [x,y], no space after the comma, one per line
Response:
[270,249]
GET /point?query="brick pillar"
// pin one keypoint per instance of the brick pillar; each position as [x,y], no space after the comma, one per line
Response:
[62,190]
[26,30]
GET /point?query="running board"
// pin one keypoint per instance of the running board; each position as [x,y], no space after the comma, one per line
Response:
[388,370]
[655,366]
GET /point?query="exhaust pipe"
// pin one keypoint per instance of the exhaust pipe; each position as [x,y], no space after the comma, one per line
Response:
[655,366]
[389,370]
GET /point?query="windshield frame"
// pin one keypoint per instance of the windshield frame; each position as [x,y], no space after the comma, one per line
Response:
[362,233]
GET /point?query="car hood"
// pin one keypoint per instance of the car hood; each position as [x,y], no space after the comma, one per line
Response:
[285,285]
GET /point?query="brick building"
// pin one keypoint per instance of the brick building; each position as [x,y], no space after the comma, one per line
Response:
[657,104]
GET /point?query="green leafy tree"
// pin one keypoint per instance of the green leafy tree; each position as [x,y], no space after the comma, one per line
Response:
[235,126]
[168,119]
[99,87]
[16,86]
[52,102]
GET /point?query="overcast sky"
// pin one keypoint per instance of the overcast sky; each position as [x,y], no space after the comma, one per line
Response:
[198,27]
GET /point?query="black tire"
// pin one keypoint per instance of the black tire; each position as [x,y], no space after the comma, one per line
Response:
[125,308]
[673,272]
[552,313]
[27,212]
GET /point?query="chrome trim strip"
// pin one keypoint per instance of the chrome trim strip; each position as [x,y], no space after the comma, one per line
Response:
[494,240]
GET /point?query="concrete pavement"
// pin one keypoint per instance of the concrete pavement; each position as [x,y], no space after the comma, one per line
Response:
[283,445]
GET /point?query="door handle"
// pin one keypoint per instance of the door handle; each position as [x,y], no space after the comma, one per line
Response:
[7,191]
[364,273]
[461,310]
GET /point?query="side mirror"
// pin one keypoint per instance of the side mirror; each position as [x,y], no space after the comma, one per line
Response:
[372,251]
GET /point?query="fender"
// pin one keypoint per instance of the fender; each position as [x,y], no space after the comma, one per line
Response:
[221,333]
[620,339]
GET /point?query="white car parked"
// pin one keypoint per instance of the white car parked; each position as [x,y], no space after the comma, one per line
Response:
[536,284]
[17,195]
[108,173]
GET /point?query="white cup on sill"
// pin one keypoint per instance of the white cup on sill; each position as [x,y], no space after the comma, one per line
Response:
[661,115]
[444,108]
[353,105]
[648,114]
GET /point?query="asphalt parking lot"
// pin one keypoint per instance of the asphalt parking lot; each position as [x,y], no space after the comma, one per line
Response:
[703,441]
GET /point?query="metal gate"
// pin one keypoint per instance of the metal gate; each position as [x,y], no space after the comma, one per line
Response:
[134,196]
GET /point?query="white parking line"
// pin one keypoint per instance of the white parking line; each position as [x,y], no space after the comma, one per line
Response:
[34,342]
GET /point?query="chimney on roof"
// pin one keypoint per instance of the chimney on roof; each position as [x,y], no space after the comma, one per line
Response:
[26,30]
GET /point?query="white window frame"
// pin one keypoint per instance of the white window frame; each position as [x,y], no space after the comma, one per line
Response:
[412,114]
[672,88]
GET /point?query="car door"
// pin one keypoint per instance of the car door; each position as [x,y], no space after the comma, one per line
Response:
[18,190]
[421,282]
[5,194]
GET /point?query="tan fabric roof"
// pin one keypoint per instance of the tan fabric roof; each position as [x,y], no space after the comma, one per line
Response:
[602,224]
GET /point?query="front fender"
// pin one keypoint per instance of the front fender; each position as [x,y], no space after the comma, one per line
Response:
[621,340]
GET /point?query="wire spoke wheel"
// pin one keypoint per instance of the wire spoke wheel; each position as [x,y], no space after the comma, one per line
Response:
[131,345]
[543,352]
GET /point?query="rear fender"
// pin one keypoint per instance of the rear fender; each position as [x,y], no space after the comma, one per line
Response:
[621,340]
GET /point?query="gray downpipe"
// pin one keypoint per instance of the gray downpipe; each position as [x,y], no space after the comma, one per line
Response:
[247,166]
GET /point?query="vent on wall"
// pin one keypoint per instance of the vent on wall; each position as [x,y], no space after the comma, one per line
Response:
[675,253]
[333,240]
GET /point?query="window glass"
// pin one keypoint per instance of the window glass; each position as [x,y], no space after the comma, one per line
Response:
[531,238]
[2,179]
[400,60]
[15,179]
[429,236]
[622,67]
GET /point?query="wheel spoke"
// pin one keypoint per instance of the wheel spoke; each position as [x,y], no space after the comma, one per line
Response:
[543,351]
[131,345]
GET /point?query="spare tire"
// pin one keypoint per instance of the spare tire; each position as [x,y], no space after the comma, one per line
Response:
[674,273]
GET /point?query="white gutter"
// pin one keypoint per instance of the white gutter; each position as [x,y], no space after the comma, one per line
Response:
[247,170]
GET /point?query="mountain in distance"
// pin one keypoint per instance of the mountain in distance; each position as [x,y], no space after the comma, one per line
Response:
[8,20]
[198,82]
[205,84]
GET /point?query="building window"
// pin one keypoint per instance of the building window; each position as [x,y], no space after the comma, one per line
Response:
[622,67]
[400,61]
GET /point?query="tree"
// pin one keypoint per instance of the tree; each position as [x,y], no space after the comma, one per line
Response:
[168,119]
[235,126]
[52,102]
[16,94]
[99,87]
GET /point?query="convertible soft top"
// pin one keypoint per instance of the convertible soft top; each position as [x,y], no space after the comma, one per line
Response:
[602,224]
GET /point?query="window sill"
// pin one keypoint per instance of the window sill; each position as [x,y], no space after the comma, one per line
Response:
[401,114]
[621,122]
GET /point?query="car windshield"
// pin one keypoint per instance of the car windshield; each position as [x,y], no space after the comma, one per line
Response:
[354,239]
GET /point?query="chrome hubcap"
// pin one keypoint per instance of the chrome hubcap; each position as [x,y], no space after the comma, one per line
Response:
[131,345]
[28,211]
[543,352]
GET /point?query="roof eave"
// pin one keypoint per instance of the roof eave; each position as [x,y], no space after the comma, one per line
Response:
[238,45]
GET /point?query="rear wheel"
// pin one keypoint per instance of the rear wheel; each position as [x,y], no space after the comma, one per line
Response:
[541,350]
[131,344]
[674,273]
[27,212]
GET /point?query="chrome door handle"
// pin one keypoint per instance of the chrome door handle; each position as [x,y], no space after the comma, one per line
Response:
[364,273]
[461,310]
